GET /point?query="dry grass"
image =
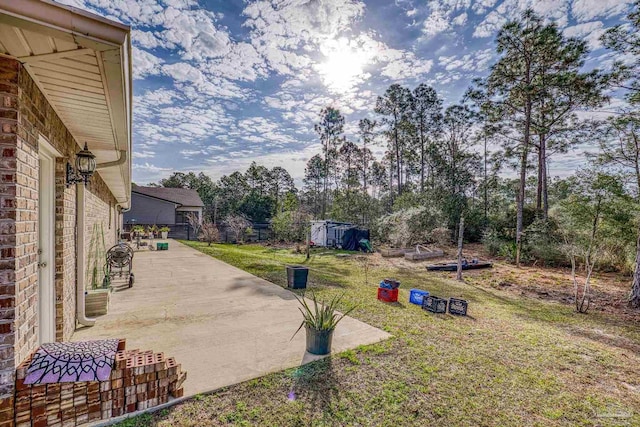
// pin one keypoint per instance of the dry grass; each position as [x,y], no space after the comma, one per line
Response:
[517,360]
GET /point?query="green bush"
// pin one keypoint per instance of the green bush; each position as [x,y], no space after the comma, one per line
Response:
[291,226]
[543,244]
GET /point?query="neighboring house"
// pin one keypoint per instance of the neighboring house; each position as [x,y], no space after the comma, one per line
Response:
[162,206]
[65,80]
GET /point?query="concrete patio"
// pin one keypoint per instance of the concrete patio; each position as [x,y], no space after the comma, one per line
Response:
[222,324]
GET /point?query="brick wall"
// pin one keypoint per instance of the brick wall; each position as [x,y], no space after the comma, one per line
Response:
[25,117]
[65,254]
[8,287]
[100,228]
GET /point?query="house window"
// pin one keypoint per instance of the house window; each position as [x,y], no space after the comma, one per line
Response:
[181,216]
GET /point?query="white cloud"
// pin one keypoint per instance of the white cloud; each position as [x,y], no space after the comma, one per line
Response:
[404,65]
[476,61]
[197,83]
[436,23]
[460,19]
[194,32]
[147,39]
[587,10]
[589,31]
[242,62]
[284,32]
[557,11]
[144,63]
[143,154]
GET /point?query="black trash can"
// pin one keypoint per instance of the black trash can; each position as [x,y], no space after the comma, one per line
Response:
[297,276]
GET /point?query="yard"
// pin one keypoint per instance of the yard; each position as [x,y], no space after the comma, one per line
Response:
[522,356]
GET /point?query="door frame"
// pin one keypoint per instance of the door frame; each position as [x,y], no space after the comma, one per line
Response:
[46,247]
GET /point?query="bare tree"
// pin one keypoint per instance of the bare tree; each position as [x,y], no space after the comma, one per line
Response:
[209,232]
[238,225]
[194,222]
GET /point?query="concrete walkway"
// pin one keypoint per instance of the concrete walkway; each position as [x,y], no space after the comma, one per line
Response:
[222,324]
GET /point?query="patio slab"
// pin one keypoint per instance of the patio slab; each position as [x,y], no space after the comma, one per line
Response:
[221,323]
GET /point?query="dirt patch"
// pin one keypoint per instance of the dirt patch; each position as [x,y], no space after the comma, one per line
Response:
[609,290]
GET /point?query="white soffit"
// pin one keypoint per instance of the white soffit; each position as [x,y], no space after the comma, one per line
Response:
[82,64]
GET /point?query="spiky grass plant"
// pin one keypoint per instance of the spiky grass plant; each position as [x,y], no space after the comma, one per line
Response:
[321,317]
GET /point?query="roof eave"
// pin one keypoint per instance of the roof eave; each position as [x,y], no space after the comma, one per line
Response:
[59,18]
[94,32]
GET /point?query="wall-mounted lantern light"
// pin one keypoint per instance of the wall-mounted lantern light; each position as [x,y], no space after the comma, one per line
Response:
[85,167]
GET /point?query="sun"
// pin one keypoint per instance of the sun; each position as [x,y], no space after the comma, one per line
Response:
[344,65]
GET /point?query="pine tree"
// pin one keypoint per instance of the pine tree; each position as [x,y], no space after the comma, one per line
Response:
[314,176]
[625,39]
[367,134]
[426,114]
[330,129]
[515,93]
[393,106]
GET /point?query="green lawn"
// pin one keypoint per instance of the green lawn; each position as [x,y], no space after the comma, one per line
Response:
[514,361]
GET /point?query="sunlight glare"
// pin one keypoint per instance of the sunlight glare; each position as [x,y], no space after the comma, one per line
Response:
[344,67]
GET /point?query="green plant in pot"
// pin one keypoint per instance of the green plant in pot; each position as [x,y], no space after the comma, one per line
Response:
[320,321]
[164,232]
[152,231]
[138,230]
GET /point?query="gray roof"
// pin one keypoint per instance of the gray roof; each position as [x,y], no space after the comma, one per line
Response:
[181,196]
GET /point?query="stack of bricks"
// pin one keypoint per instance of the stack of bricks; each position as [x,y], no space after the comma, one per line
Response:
[139,380]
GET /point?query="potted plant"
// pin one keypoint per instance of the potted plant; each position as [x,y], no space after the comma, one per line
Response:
[152,230]
[320,321]
[137,230]
[164,231]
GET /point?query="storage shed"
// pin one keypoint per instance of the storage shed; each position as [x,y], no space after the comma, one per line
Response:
[327,233]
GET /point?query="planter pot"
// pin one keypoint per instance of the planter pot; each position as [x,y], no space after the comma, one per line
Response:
[165,234]
[319,342]
[96,302]
[297,276]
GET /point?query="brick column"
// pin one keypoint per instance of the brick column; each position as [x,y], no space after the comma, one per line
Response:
[9,70]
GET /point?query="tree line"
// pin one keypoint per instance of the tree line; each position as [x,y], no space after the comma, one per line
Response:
[440,164]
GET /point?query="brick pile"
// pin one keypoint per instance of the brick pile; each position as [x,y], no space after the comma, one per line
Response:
[139,380]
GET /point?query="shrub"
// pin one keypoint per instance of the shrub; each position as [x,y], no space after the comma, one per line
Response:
[209,232]
[542,243]
[441,236]
[408,226]
[291,226]
[238,225]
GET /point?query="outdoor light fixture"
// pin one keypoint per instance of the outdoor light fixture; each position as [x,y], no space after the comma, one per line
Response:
[85,167]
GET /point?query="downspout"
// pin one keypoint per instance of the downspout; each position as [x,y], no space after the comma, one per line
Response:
[81,259]
[120,161]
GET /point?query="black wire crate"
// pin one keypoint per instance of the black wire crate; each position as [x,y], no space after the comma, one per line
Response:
[458,306]
[434,304]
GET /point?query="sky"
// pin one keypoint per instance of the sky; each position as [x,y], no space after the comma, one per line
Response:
[221,83]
